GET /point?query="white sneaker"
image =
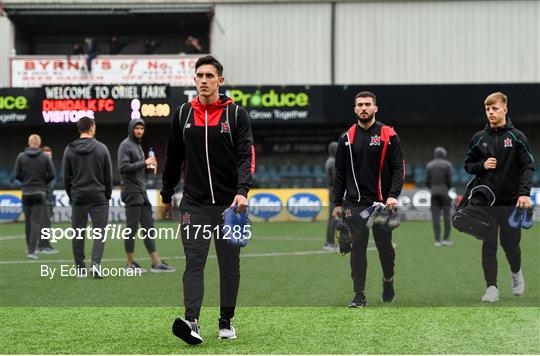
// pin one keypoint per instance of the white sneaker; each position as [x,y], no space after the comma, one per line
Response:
[329,247]
[437,244]
[48,251]
[31,256]
[518,283]
[491,295]
[81,273]
[226,330]
[447,242]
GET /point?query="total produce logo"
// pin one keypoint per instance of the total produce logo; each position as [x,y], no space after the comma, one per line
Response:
[272,104]
[12,107]
[269,99]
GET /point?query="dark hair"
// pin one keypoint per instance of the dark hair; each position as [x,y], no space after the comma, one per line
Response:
[85,124]
[366,94]
[46,149]
[209,60]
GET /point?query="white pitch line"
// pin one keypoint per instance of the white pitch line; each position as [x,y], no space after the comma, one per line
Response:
[263,238]
[13,237]
[244,255]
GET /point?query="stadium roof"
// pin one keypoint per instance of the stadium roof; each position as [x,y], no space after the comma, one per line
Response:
[100,8]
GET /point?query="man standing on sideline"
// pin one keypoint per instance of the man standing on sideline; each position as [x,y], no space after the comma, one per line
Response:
[133,167]
[439,181]
[330,169]
[369,168]
[44,245]
[35,170]
[88,183]
[211,143]
[500,157]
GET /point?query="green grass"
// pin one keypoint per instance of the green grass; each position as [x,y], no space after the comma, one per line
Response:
[437,309]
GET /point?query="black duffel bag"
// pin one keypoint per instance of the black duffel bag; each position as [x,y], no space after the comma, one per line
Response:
[474,215]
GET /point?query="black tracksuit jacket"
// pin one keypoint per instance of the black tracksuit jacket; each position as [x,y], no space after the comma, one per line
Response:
[87,172]
[212,145]
[358,165]
[515,163]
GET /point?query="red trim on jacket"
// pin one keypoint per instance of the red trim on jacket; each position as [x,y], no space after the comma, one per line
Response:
[386,134]
[213,110]
[252,160]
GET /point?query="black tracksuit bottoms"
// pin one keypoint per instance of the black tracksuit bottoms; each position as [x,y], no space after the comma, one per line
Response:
[510,239]
[360,236]
[142,214]
[441,204]
[331,224]
[34,208]
[99,214]
[47,223]
[199,224]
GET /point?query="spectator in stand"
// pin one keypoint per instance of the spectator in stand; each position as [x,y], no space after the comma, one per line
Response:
[116,46]
[92,52]
[77,49]
[193,45]
[150,46]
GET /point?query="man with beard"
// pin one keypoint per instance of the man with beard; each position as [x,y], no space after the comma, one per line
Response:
[369,168]
[133,167]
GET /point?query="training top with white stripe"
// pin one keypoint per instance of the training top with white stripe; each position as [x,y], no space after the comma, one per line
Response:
[212,147]
[369,165]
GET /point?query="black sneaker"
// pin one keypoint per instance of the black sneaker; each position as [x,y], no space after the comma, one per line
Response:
[188,331]
[162,267]
[388,293]
[359,301]
[135,267]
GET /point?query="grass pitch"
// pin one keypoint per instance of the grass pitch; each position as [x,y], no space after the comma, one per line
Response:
[292,299]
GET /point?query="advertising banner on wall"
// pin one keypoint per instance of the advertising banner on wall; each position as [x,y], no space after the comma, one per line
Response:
[288,204]
[36,71]
[301,205]
[117,213]
[104,103]
[398,104]
[19,106]
[11,206]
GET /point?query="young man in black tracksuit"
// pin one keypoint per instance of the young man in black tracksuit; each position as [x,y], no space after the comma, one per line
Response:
[133,166]
[439,181]
[500,158]
[369,168]
[35,171]
[88,183]
[211,144]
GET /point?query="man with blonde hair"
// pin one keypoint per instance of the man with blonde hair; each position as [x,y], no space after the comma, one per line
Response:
[35,170]
[500,158]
